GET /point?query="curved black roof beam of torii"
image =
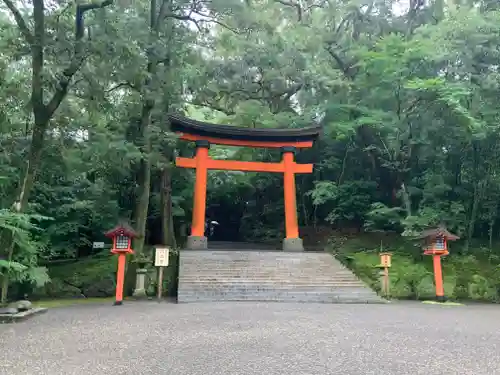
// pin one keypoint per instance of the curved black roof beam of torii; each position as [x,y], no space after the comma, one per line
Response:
[182,124]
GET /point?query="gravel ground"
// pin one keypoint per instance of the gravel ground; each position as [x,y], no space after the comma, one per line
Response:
[252,338]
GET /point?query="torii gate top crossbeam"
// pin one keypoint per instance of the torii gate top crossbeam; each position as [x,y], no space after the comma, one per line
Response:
[192,130]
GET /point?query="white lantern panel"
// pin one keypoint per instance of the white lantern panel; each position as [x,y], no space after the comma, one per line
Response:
[122,242]
[439,245]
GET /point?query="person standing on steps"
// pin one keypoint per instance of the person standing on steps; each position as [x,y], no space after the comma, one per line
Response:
[210,227]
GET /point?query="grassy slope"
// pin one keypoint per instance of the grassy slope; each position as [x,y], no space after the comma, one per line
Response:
[475,276]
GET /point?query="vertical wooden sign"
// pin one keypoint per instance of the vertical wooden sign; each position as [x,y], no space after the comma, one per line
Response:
[385,263]
[161,260]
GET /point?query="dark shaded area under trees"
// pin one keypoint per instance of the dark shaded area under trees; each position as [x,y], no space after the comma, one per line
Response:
[407,96]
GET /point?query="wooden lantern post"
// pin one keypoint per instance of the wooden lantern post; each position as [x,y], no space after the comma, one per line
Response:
[385,264]
[436,244]
[122,236]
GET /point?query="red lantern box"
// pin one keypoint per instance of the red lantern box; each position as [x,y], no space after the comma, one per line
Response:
[122,236]
[436,244]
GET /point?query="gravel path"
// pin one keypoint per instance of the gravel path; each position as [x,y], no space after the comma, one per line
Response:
[251,338]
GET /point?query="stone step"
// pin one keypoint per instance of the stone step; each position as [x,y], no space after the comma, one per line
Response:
[288,270]
[264,274]
[276,294]
[273,296]
[285,271]
[266,296]
[268,276]
[256,260]
[250,281]
[272,278]
[257,255]
[277,290]
[267,268]
[236,255]
[272,293]
[255,263]
[257,268]
[271,282]
[232,289]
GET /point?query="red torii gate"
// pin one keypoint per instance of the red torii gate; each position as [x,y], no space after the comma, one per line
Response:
[204,134]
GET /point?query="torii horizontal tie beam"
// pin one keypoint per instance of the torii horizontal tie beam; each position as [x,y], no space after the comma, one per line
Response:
[246,166]
[245,143]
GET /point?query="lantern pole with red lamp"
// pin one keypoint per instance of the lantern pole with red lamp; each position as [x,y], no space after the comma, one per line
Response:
[122,236]
[436,244]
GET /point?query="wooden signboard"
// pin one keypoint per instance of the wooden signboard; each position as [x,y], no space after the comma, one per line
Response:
[161,260]
[161,256]
[385,259]
[385,263]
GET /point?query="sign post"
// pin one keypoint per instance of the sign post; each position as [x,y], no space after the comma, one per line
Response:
[384,265]
[161,260]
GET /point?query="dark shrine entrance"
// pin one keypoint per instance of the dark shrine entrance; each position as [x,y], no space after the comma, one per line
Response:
[226,216]
[205,134]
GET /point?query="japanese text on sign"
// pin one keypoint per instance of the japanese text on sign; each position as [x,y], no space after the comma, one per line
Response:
[161,257]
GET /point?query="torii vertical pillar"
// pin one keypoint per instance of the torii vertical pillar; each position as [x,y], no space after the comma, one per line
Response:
[197,239]
[292,242]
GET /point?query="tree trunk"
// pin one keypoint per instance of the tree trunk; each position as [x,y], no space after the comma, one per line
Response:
[490,232]
[6,275]
[472,219]
[32,164]
[168,233]
[143,180]
[5,288]
[303,202]
[406,199]
[478,190]
[143,140]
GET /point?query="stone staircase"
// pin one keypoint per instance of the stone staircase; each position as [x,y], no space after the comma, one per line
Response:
[239,275]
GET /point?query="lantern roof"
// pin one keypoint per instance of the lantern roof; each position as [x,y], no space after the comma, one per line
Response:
[122,229]
[440,231]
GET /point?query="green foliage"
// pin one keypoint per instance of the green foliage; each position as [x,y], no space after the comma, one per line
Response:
[323,192]
[381,217]
[21,259]
[465,277]
[348,203]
